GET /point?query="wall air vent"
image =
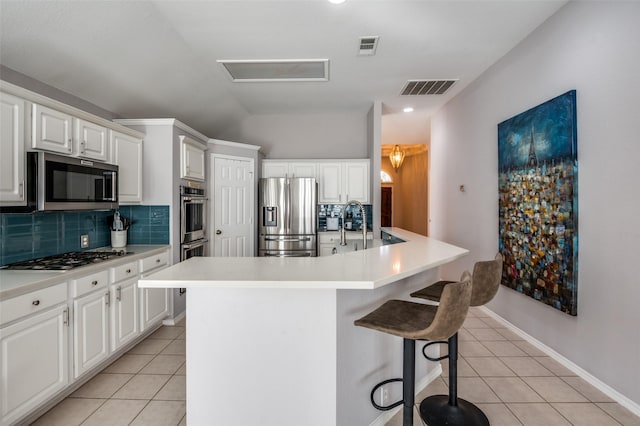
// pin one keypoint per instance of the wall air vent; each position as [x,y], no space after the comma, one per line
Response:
[368,46]
[426,87]
[262,70]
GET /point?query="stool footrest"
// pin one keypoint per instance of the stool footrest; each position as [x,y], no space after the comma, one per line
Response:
[384,407]
[433,343]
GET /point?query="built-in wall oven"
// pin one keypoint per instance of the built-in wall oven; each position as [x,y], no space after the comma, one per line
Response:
[193,213]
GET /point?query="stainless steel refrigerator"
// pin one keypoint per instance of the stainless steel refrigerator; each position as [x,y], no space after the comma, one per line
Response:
[287,224]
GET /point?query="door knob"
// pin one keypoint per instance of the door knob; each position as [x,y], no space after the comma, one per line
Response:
[218,232]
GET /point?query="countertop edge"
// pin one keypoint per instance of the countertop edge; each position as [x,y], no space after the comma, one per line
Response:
[274,273]
[50,278]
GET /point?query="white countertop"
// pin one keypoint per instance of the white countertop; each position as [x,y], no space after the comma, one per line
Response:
[363,269]
[15,283]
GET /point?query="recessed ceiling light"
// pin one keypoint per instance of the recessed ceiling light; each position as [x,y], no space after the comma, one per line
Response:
[408,109]
[337,1]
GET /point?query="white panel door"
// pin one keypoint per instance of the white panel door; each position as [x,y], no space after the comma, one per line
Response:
[12,150]
[91,331]
[34,362]
[330,183]
[124,313]
[51,130]
[92,140]
[127,155]
[233,206]
[356,180]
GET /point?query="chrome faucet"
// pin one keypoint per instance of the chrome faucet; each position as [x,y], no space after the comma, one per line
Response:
[343,232]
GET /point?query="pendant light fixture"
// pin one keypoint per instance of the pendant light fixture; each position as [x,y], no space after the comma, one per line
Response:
[396,157]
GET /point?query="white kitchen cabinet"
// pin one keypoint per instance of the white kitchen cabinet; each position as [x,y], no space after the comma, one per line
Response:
[34,361]
[342,181]
[274,169]
[124,313]
[154,302]
[338,180]
[92,140]
[52,130]
[294,169]
[12,162]
[91,330]
[355,177]
[126,153]
[330,187]
[191,159]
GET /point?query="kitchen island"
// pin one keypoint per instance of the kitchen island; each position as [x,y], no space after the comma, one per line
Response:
[271,341]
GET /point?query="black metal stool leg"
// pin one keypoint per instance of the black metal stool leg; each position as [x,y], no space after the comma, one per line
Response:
[408,381]
[438,410]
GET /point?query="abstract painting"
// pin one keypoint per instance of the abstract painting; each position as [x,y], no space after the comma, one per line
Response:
[538,202]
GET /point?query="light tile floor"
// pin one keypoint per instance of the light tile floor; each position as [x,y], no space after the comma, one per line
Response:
[145,386]
[516,384]
[512,381]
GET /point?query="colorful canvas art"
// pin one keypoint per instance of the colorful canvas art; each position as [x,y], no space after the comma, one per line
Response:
[538,206]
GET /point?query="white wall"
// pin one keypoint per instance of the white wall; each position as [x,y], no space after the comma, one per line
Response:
[591,47]
[305,135]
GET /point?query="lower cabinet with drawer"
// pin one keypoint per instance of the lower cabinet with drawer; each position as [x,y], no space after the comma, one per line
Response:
[154,302]
[124,304]
[100,313]
[33,351]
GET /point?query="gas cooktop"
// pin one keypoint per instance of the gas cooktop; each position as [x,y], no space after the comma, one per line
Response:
[65,261]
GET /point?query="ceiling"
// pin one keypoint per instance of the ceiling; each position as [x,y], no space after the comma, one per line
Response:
[159,58]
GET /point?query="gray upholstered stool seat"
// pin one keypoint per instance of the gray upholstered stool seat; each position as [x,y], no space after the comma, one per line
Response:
[485,282]
[417,321]
[449,409]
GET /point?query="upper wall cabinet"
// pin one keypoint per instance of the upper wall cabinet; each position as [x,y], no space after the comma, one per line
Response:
[338,180]
[12,111]
[126,153]
[92,140]
[301,169]
[343,181]
[191,159]
[52,130]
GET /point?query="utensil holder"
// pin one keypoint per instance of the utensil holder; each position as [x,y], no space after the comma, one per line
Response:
[118,239]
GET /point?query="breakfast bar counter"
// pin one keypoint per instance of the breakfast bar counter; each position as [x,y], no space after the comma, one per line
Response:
[271,341]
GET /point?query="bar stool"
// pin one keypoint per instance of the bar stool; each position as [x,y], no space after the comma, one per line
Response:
[449,409]
[417,321]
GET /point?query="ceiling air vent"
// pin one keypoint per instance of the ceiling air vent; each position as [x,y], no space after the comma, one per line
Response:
[262,70]
[426,87]
[368,46]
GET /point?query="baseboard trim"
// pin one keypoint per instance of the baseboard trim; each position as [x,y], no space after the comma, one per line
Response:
[174,321]
[383,418]
[585,375]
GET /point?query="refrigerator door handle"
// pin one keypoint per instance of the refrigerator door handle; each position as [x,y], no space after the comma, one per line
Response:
[306,254]
[288,205]
[287,239]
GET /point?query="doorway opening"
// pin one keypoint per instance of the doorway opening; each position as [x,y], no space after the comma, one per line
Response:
[405,201]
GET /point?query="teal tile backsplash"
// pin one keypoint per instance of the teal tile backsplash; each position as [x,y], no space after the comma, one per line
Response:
[25,236]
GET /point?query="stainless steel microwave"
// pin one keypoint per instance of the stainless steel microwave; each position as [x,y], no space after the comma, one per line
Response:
[69,183]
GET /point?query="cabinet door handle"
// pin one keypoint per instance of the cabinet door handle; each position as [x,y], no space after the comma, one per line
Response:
[35,302]
[157,260]
[82,144]
[119,293]
[65,317]
[94,282]
[107,301]
[21,189]
[128,271]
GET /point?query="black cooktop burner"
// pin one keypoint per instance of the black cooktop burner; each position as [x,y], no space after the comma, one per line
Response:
[65,261]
